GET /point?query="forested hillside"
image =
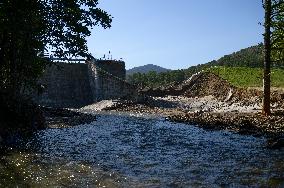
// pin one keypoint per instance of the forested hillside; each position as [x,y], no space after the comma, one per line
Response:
[154,79]
[146,68]
[248,58]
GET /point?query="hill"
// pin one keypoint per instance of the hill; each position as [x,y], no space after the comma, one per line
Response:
[251,57]
[146,68]
[248,57]
[241,68]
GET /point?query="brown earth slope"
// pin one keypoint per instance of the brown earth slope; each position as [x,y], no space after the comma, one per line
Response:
[207,83]
[199,85]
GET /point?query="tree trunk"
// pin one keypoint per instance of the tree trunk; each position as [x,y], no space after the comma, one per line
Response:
[267,59]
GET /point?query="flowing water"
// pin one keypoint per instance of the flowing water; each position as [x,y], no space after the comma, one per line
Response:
[126,151]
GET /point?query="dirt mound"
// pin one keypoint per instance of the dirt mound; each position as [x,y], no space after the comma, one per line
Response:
[206,83]
[199,85]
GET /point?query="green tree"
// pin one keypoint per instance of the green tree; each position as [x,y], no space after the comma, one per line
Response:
[277,35]
[273,44]
[30,27]
[152,78]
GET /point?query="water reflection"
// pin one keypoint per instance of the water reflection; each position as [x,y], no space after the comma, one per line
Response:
[124,151]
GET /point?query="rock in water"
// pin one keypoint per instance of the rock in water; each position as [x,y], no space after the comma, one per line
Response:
[275,143]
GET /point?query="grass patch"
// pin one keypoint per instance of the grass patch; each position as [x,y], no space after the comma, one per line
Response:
[248,77]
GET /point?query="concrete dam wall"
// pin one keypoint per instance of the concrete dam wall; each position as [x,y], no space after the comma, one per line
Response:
[73,85]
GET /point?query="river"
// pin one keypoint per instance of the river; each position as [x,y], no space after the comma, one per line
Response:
[128,151]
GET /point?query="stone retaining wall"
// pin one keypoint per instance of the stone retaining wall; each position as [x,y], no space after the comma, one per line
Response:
[104,85]
[73,85]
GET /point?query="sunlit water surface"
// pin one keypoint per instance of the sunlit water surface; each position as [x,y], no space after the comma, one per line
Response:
[126,151]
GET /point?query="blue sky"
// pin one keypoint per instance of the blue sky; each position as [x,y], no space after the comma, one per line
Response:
[177,34]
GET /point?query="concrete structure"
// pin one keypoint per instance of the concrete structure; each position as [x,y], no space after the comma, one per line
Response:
[116,68]
[73,85]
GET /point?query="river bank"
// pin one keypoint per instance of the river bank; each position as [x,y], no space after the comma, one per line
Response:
[64,118]
[208,101]
[205,112]
[44,118]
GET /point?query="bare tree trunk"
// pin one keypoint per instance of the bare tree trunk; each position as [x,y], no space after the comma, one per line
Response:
[267,59]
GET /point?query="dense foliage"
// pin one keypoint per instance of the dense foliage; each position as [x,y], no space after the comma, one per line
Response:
[21,36]
[248,57]
[154,79]
[277,35]
[30,27]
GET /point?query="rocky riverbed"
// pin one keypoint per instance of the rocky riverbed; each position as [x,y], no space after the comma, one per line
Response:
[206,112]
[207,101]
[63,118]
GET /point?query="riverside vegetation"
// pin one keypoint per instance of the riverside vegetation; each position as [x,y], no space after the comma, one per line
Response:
[242,68]
[247,58]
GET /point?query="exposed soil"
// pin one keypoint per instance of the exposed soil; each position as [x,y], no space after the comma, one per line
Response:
[207,83]
[199,85]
